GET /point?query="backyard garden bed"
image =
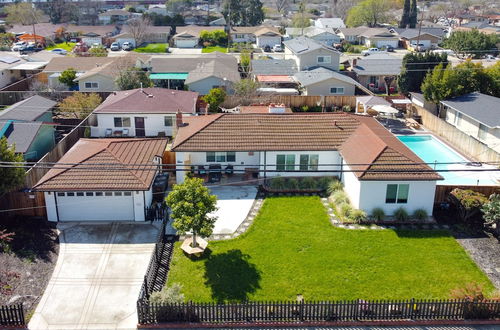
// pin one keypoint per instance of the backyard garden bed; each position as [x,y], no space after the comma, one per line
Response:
[291,249]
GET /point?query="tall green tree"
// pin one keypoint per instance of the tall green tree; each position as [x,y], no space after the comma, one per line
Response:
[24,13]
[10,177]
[214,98]
[414,68]
[80,104]
[191,204]
[405,18]
[471,43]
[368,12]
[68,77]
[243,12]
[132,78]
[413,18]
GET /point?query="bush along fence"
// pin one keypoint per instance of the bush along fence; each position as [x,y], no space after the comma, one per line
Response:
[12,315]
[319,311]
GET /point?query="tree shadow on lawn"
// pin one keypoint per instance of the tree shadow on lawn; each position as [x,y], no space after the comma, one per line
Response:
[422,233]
[231,277]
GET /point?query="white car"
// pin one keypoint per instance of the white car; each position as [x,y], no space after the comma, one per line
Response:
[127,46]
[20,45]
[277,48]
[370,51]
[59,51]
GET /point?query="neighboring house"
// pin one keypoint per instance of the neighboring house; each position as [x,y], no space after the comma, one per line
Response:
[189,36]
[77,192]
[419,100]
[352,35]
[332,23]
[153,34]
[371,70]
[46,30]
[309,53]
[28,125]
[14,67]
[274,73]
[91,38]
[142,112]
[482,27]
[159,9]
[172,71]
[429,37]
[218,22]
[260,35]
[379,37]
[477,115]
[86,32]
[114,16]
[321,81]
[213,74]
[321,144]
[364,103]
[325,36]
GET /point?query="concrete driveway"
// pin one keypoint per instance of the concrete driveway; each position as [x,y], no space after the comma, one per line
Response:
[97,277]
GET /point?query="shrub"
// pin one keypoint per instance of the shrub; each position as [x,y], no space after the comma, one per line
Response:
[346,210]
[474,292]
[334,186]
[468,204]
[340,197]
[292,184]
[278,183]
[324,182]
[307,183]
[420,214]
[378,214]
[168,295]
[401,214]
[357,216]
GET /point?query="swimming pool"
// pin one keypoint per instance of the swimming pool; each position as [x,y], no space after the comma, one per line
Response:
[431,151]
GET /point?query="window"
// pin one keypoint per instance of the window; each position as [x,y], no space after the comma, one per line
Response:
[60,194]
[89,194]
[373,80]
[336,90]
[70,194]
[118,193]
[483,130]
[122,121]
[458,118]
[169,121]
[220,157]
[397,193]
[108,193]
[98,193]
[127,193]
[285,162]
[309,162]
[324,59]
[92,85]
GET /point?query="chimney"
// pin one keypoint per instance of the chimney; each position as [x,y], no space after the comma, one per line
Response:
[354,62]
[178,119]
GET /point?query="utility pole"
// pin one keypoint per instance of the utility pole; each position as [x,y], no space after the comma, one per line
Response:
[420,27]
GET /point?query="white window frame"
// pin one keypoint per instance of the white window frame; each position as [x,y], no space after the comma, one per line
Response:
[399,187]
[337,90]
[326,59]
[171,118]
[93,85]
[121,122]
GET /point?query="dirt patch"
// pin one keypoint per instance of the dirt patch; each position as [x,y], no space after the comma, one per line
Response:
[28,261]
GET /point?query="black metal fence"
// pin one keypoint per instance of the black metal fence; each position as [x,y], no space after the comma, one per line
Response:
[318,311]
[12,315]
[156,213]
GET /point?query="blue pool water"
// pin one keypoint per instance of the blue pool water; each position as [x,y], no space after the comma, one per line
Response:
[431,150]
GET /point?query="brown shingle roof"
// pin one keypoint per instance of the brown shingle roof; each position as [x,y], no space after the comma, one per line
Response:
[139,101]
[360,140]
[127,155]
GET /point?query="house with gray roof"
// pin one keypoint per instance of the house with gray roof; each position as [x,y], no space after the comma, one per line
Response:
[322,81]
[371,70]
[428,37]
[309,53]
[477,115]
[326,36]
[28,126]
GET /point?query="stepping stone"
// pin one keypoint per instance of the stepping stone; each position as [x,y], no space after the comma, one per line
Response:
[351,227]
[334,221]
[341,226]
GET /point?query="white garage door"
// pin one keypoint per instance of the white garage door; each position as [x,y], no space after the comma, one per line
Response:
[393,43]
[95,206]
[182,43]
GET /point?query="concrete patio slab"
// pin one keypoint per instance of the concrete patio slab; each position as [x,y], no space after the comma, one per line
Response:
[97,277]
[234,203]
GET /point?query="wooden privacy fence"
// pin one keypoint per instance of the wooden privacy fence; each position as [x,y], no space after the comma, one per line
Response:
[232,101]
[442,191]
[459,140]
[318,311]
[12,315]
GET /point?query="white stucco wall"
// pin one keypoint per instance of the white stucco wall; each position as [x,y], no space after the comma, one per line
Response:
[328,158]
[323,88]
[105,84]
[205,85]
[153,123]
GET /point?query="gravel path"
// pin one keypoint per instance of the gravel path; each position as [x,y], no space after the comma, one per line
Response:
[485,251]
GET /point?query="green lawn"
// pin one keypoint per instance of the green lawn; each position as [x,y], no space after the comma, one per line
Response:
[64,45]
[214,49]
[152,48]
[292,248]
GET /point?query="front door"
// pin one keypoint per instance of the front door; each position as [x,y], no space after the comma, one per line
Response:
[139,126]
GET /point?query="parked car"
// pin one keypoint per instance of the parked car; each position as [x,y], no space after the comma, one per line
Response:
[490,58]
[96,45]
[419,47]
[390,49]
[127,46]
[115,46]
[267,48]
[277,48]
[19,46]
[59,51]
[370,51]
[30,49]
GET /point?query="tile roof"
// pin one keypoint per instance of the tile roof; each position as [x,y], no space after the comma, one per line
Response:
[483,108]
[126,154]
[21,134]
[258,109]
[29,109]
[149,100]
[273,67]
[360,140]
[320,74]
[219,69]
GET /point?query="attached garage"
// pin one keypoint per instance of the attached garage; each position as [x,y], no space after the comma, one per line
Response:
[379,43]
[186,43]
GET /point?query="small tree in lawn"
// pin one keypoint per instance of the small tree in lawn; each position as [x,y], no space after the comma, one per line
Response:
[491,212]
[191,204]
[68,77]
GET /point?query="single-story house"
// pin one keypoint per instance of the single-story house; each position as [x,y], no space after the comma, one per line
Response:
[46,30]
[75,191]
[91,33]
[113,16]
[142,112]
[333,23]
[325,36]
[419,100]
[429,37]
[153,34]
[260,35]
[28,125]
[477,115]
[189,36]
[274,73]
[371,70]
[379,37]
[213,74]
[352,35]
[320,144]
[91,38]
[14,67]
[308,53]
[159,9]
[322,81]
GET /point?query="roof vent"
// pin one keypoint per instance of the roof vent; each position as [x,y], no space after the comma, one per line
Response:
[150,96]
